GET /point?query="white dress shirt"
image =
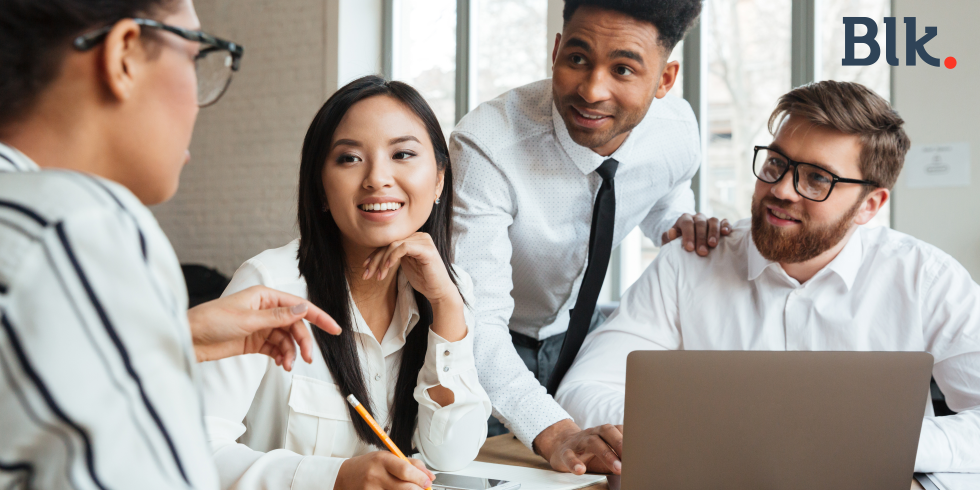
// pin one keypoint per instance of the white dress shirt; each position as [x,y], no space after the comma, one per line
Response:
[270,428]
[885,291]
[97,371]
[524,197]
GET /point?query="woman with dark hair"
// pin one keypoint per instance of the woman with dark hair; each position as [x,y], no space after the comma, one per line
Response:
[375,209]
[98,101]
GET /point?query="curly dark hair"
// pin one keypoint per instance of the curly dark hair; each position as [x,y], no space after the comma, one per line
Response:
[35,36]
[672,18]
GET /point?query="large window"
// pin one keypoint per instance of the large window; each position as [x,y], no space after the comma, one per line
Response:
[511,43]
[638,251]
[877,77]
[505,44]
[424,53]
[831,31]
[748,44]
[750,54]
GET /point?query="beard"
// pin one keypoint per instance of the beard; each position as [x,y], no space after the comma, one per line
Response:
[791,247]
[623,121]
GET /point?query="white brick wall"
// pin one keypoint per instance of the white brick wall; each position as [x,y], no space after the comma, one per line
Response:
[238,195]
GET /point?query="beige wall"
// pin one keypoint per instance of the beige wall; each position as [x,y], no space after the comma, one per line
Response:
[237,196]
[941,106]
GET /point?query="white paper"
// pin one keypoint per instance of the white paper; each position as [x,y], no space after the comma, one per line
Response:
[943,165]
[956,481]
[529,478]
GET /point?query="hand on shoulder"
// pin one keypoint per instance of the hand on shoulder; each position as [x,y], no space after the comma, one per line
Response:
[697,232]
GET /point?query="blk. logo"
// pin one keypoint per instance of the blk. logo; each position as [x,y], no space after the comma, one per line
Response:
[914,47]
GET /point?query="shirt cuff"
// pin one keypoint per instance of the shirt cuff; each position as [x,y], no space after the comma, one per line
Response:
[532,415]
[316,473]
[451,365]
[934,454]
[445,361]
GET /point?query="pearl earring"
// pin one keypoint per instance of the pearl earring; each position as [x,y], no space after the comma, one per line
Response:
[437,200]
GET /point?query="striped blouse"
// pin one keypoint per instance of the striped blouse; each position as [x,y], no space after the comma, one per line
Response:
[99,386]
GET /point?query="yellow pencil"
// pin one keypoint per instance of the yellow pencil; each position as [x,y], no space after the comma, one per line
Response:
[377,428]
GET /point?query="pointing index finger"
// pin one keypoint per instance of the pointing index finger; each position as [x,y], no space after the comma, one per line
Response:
[322,320]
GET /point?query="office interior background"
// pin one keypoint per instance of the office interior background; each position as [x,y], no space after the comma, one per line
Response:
[238,195]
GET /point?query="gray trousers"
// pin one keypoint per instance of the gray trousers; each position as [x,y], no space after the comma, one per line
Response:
[540,357]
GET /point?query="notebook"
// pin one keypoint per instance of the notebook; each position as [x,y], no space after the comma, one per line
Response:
[530,478]
[950,481]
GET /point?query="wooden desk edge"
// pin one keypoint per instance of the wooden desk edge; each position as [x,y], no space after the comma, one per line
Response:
[506,449]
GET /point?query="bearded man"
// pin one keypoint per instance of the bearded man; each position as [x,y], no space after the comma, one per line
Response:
[804,274]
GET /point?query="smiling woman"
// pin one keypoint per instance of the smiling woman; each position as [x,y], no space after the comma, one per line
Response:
[375,202]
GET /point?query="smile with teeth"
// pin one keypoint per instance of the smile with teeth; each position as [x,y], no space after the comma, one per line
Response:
[588,116]
[781,215]
[380,206]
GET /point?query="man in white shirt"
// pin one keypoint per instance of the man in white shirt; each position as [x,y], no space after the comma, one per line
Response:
[804,274]
[549,177]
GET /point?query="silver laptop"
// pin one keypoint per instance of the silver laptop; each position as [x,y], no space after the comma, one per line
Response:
[773,420]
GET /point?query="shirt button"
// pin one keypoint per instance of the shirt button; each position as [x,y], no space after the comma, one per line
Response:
[446,353]
[377,377]
[445,369]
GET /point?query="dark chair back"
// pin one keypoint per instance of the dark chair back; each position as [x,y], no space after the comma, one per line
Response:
[203,283]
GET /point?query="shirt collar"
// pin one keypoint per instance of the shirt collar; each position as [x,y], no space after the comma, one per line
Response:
[402,322]
[757,263]
[848,261]
[12,160]
[845,265]
[584,158]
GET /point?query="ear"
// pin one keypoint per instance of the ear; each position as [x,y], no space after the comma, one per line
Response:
[668,78]
[554,53]
[122,54]
[440,182]
[873,203]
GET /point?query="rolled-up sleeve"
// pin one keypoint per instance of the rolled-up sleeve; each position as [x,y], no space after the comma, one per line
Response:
[449,437]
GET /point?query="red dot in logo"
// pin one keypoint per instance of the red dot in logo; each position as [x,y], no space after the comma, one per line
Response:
[950,62]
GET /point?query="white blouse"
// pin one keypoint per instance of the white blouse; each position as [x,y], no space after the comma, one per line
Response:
[269,428]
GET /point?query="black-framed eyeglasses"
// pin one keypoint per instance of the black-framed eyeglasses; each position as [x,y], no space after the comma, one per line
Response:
[214,63]
[811,181]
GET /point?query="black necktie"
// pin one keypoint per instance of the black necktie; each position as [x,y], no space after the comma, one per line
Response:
[600,246]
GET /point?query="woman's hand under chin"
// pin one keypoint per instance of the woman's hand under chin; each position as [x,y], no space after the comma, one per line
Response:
[420,261]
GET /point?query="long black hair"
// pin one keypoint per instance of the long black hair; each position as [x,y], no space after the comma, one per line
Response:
[323,263]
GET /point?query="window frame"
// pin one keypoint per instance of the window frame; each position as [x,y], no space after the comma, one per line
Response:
[805,61]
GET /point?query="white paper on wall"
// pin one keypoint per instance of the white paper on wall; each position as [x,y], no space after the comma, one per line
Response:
[942,165]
